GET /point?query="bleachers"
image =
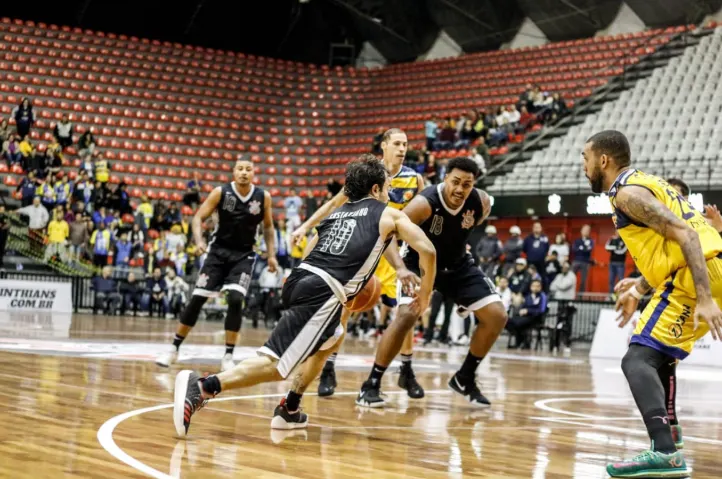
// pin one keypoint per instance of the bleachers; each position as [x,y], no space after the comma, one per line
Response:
[671,120]
[161,110]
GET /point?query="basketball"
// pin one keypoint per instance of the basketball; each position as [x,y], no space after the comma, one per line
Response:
[367,298]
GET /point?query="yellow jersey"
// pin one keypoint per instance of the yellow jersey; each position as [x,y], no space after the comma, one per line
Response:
[404,186]
[101,171]
[655,256]
[58,231]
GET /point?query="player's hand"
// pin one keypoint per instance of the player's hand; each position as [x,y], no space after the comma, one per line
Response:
[626,306]
[272,264]
[298,235]
[709,312]
[409,281]
[624,285]
[714,217]
[420,303]
[202,246]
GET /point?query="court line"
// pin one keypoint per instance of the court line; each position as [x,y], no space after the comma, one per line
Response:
[542,404]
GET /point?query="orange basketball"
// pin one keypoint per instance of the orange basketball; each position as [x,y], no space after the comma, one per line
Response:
[367,298]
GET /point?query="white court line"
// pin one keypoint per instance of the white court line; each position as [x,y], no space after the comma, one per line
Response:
[105,433]
[542,404]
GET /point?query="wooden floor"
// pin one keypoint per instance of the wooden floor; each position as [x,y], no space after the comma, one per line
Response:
[82,398]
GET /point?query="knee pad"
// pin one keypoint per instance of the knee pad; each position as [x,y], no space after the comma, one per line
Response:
[235,309]
[189,317]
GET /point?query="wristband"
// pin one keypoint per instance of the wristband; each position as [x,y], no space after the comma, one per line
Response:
[635,292]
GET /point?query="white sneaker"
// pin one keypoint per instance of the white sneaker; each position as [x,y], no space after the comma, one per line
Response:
[463,340]
[167,358]
[227,362]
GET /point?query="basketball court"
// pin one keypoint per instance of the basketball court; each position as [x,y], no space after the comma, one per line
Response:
[84,399]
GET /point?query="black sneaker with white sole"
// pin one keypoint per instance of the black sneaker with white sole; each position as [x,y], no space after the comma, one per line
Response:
[407,381]
[370,395]
[469,390]
[327,384]
[283,419]
[188,399]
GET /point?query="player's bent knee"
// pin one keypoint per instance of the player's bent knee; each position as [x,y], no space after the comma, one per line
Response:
[405,317]
[235,309]
[189,317]
[334,340]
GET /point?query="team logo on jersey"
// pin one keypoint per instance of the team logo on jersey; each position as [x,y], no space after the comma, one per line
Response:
[254,207]
[467,219]
[408,195]
[202,280]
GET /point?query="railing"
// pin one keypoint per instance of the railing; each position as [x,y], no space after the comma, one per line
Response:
[584,321]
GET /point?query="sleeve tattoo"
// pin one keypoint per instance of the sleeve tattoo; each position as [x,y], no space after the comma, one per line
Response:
[646,209]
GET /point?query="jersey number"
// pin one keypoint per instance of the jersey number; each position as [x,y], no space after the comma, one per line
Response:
[339,236]
[229,203]
[689,213]
[437,224]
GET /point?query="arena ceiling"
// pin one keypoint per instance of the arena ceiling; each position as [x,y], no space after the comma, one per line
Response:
[304,30]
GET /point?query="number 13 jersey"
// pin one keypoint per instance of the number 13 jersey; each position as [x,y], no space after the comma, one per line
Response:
[349,246]
[655,256]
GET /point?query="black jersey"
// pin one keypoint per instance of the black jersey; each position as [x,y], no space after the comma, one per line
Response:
[448,229]
[349,246]
[238,218]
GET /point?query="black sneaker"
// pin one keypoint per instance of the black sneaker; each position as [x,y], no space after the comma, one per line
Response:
[407,380]
[327,385]
[469,390]
[187,400]
[282,419]
[370,395]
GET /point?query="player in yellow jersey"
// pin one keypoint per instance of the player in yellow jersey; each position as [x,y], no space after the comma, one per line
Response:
[678,254]
[405,184]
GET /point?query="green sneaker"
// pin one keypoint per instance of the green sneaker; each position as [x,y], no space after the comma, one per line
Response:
[677,436]
[651,464]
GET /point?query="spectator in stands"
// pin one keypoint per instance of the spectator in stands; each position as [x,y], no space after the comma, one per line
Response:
[561,246]
[137,238]
[131,292]
[52,161]
[513,117]
[172,215]
[27,154]
[179,257]
[58,232]
[536,247]
[37,214]
[297,250]
[176,238]
[101,216]
[63,132]
[558,107]
[311,203]
[292,205]
[79,235]
[123,250]
[582,259]
[489,251]
[617,257]
[552,267]
[28,189]
[531,314]
[430,130]
[446,137]
[519,278]
[437,301]
[4,232]
[283,245]
[526,119]
[100,241]
[157,291]
[145,208]
[83,189]
[11,151]
[192,196]
[465,137]
[107,298]
[5,133]
[564,286]
[24,117]
[86,145]
[101,195]
[482,157]
[101,168]
[505,292]
[513,248]
[525,99]
[63,189]
[430,171]
[177,292]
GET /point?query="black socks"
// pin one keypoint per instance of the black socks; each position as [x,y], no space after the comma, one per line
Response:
[377,372]
[468,369]
[230,348]
[293,401]
[177,340]
[211,385]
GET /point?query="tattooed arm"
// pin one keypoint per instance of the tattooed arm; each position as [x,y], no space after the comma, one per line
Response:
[641,205]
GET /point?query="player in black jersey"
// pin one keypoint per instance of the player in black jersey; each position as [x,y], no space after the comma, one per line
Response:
[447,213]
[342,259]
[241,207]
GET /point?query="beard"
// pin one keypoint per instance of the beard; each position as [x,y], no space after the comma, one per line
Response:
[595,182]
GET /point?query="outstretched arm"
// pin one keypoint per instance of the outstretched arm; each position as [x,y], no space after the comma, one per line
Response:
[318,216]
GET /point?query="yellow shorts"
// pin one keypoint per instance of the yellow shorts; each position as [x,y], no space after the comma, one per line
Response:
[387,275]
[667,323]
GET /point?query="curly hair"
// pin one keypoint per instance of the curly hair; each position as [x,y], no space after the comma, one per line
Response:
[362,174]
[613,144]
[464,164]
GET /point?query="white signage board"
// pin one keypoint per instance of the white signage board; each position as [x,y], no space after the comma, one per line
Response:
[20,295]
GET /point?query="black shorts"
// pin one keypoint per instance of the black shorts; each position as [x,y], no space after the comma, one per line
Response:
[225,269]
[312,317]
[466,285]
